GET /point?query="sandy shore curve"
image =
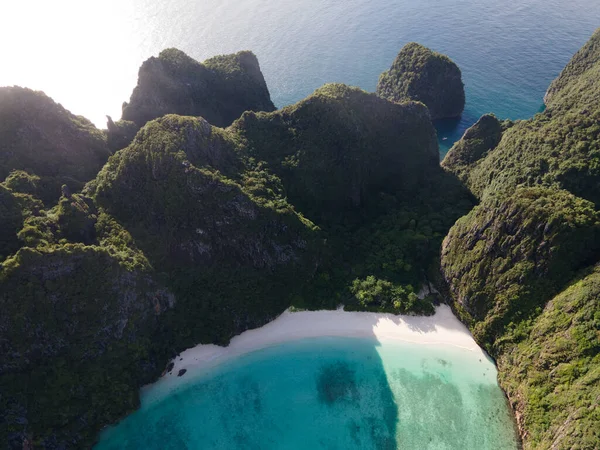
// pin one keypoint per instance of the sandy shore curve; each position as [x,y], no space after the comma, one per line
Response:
[440,329]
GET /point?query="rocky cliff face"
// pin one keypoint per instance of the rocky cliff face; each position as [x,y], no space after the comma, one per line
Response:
[521,265]
[42,138]
[420,74]
[220,89]
[340,146]
[74,331]
[476,143]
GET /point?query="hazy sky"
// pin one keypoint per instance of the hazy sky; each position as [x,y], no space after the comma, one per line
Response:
[77,51]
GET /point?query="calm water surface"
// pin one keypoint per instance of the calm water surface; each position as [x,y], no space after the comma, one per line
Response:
[329,393]
[86,54]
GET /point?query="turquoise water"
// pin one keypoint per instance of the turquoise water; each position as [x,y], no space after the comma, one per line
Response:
[509,50]
[329,393]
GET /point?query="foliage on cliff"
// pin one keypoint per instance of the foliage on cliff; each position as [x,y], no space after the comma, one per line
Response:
[509,255]
[14,209]
[512,264]
[219,90]
[475,144]
[338,148]
[366,171]
[40,137]
[76,327]
[423,75]
[557,148]
[553,374]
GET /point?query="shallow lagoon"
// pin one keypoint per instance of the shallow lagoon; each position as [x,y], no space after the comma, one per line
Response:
[328,393]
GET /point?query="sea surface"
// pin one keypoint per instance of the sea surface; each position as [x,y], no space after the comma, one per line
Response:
[86,54]
[328,393]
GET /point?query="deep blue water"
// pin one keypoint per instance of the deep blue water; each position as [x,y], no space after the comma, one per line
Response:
[328,393]
[508,50]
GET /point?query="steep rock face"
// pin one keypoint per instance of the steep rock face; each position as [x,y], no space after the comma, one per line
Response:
[41,137]
[552,375]
[219,90]
[510,261]
[577,84]
[75,326]
[339,147]
[178,185]
[423,75]
[510,254]
[477,141]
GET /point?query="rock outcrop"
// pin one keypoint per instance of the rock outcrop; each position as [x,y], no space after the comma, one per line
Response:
[42,138]
[420,74]
[74,331]
[219,90]
[475,144]
[340,146]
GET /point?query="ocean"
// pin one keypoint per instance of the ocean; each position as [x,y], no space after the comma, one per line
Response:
[328,393]
[86,54]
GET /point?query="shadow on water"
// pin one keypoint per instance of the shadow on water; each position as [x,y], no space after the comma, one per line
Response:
[329,393]
[451,130]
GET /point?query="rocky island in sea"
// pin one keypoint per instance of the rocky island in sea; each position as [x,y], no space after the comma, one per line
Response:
[190,233]
[420,74]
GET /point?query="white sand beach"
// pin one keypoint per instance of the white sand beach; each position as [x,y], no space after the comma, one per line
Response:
[441,329]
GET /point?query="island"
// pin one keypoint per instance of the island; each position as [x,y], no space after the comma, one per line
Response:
[422,75]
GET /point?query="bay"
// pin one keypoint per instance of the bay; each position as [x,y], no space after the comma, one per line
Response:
[329,393]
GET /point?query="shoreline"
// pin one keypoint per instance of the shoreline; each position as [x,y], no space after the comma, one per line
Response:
[441,329]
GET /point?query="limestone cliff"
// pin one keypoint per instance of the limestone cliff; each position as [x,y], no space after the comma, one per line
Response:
[220,89]
[420,74]
[340,146]
[42,138]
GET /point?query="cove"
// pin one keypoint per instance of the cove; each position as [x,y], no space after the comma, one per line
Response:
[412,383]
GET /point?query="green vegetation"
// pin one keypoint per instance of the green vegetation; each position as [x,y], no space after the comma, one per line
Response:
[52,145]
[220,89]
[195,233]
[76,328]
[552,374]
[516,265]
[335,150]
[509,255]
[14,208]
[192,234]
[426,76]
[381,295]
[476,143]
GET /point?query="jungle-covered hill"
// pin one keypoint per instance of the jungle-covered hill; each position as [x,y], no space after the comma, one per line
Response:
[522,266]
[194,233]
